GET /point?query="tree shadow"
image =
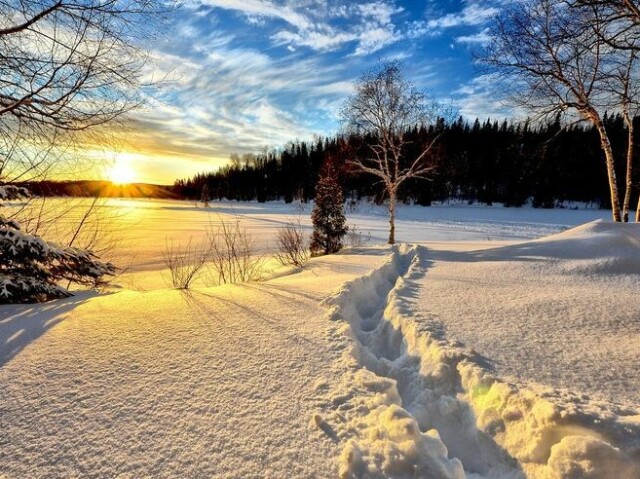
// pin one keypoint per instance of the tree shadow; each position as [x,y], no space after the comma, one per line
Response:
[202,301]
[20,325]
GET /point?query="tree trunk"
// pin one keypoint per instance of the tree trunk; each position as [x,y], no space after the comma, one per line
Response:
[392,217]
[629,180]
[638,212]
[611,172]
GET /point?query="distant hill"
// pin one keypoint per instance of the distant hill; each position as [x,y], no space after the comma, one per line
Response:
[103,189]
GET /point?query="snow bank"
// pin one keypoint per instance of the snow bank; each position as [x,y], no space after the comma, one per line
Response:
[414,405]
[599,247]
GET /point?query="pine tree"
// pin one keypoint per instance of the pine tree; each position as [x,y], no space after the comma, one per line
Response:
[329,221]
[31,269]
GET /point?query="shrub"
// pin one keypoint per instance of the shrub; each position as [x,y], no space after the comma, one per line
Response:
[233,253]
[293,244]
[185,264]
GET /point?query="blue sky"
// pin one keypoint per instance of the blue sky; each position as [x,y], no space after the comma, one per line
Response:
[239,75]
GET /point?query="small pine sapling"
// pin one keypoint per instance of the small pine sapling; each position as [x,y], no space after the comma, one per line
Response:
[328,217]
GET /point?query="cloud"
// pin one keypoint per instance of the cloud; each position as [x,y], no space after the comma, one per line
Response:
[470,15]
[478,98]
[480,38]
[326,40]
[254,9]
[243,74]
[380,12]
[223,97]
[374,39]
[321,26]
[473,14]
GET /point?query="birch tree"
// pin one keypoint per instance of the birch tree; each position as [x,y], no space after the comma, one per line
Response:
[385,105]
[556,58]
[623,34]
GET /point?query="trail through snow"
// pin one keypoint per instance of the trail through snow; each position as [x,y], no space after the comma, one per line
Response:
[438,361]
[414,404]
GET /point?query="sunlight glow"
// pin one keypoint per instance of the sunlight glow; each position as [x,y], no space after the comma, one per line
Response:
[122,172]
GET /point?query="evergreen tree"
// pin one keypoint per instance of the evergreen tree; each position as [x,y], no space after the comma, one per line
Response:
[31,269]
[329,221]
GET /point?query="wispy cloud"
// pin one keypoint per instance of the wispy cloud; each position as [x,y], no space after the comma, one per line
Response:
[368,26]
[472,14]
[220,98]
[239,75]
[257,8]
[478,98]
[480,38]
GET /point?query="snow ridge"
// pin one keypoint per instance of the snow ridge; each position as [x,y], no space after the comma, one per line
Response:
[413,405]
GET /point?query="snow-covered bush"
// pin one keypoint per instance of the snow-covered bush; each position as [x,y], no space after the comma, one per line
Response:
[33,269]
[329,220]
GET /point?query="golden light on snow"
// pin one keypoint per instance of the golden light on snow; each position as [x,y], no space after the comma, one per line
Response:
[122,172]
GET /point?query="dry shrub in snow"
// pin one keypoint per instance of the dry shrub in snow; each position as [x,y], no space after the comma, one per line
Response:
[293,244]
[185,264]
[233,254]
[357,238]
[227,253]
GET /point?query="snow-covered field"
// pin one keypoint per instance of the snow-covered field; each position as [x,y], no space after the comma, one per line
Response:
[475,350]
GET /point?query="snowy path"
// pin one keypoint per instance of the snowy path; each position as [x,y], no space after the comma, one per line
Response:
[397,408]
[221,383]
[415,404]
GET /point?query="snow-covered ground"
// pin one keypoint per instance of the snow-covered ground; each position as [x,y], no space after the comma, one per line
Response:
[476,351]
[141,230]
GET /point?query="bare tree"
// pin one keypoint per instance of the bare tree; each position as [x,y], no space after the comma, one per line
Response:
[66,66]
[555,59]
[622,18]
[386,105]
[624,86]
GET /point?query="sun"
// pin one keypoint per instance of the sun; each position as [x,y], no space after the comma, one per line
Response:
[122,173]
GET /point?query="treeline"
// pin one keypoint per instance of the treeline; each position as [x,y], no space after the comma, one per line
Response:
[489,162]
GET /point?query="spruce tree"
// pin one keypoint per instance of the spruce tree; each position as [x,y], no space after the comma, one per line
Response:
[33,269]
[329,220]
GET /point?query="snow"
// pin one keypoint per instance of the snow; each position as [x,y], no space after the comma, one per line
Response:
[468,353]
[143,229]
[217,383]
[561,311]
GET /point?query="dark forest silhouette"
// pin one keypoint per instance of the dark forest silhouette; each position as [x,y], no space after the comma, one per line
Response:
[489,162]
